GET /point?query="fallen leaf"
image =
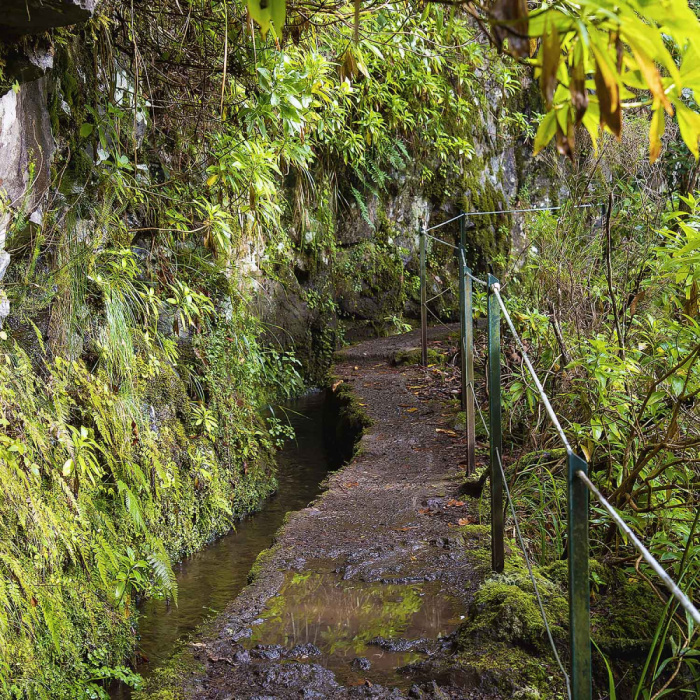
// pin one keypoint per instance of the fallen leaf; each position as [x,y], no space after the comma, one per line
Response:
[335,385]
[411,410]
[451,433]
[470,520]
[454,503]
[351,484]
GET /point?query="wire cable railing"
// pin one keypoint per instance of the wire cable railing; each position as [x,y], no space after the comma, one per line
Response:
[465,214]
[673,588]
[579,679]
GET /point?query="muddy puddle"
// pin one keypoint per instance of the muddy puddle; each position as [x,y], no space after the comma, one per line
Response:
[214,576]
[362,630]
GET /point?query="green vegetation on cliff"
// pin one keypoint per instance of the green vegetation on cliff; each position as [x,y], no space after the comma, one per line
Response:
[210,206]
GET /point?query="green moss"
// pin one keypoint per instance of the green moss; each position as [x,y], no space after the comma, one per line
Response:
[489,238]
[413,357]
[261,561]
[504,609]
[167,681]
[624,612]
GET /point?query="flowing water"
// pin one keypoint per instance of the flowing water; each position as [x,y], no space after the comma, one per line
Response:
[213,577]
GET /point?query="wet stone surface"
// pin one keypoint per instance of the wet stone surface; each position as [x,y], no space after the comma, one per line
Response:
[368,584]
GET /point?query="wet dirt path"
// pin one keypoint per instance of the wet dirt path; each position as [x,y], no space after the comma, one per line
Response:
[374,576]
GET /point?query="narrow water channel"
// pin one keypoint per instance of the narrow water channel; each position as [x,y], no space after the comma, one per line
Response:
[211,578]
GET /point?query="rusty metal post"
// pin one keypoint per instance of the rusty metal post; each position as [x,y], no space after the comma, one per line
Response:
[469,343]
[463,327]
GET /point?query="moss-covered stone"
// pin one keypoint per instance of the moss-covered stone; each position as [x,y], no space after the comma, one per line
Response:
[413,357]
[266,556]
[167,680]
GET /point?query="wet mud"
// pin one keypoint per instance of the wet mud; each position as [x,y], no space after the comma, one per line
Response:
[363,591]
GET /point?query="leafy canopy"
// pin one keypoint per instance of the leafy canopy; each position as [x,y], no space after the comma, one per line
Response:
[593,58]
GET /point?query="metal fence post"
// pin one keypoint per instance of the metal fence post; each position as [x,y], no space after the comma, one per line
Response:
[497,515]
[423,303]
[467,352]
[462,310]
[463,325]
[469,340]
[579,593]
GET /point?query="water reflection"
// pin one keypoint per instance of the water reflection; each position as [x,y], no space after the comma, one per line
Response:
[210,579]
[341,618]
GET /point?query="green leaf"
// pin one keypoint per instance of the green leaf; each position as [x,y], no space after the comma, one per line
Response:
[86,129]
[689,124]
[278,14]
[546,131]
[267,12]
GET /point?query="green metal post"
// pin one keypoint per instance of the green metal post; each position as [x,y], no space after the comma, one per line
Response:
[497,524]
[462,311]
[469,352]
[423,303]
[579,593]
[463,325]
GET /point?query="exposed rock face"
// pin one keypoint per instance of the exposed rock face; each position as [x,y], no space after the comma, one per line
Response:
[26,142]
[26,150]
[20,17]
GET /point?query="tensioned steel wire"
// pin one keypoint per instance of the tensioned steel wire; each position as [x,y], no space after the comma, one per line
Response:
[506,211]
[461,251]
[481,413]
[496,289]
[677,593]
[439,294]
[439,240]
[673,588]
[436,317]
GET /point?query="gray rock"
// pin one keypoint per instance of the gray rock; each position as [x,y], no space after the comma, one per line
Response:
[4,262]
[361,663]
[28,64]
[304,650]
[20,17]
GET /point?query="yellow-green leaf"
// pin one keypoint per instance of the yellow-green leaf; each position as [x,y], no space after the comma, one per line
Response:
[546,131]
[689,124]
[652,77]
[278,14]
[267,12]
[656,129]
[551,55]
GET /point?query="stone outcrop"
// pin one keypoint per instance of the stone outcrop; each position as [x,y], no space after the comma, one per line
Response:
[26,141]
[26,150]
[19,17]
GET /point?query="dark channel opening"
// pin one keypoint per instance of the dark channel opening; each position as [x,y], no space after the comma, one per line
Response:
[211,578]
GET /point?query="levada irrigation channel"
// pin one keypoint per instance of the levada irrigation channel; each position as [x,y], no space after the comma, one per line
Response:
[213,577]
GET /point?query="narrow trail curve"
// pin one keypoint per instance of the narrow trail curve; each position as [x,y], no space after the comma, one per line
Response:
[387,529]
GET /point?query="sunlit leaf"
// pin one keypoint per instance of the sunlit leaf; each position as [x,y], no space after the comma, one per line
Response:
[656,129]
[689,124]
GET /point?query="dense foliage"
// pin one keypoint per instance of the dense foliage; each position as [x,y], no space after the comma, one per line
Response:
[200,169]
[193,164]
[607,302]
